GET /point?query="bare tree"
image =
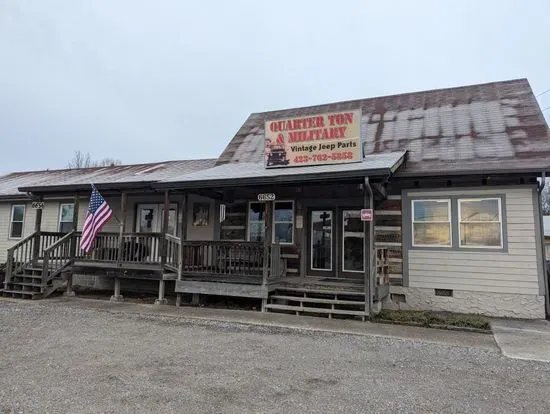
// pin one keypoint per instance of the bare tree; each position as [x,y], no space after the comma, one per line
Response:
[83,160]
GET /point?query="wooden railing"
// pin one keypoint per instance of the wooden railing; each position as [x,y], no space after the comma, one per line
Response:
[143,248]
[219,258]
[48,238]
[223,258]
[19,256]
[29,251]
[173,253]
[57,257]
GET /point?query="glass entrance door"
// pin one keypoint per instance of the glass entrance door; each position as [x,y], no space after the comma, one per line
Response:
[151,216]
[336,243]
[322,242]
[353,242]
[147,219]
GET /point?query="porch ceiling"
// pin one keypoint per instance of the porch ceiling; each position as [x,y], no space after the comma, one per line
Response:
[376,165]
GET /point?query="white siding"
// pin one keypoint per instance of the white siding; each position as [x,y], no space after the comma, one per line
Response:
[5,216]
[513,272]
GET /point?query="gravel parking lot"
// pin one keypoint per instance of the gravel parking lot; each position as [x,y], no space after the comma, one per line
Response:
[57,358]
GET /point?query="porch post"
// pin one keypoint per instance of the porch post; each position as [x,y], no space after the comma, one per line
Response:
[161,299]
[368,235]
[36,244]
[267,246]
[117,297]
[70,291]
[183,237]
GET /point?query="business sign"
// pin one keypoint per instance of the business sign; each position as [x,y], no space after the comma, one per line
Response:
[266,197]
[366,214]
[330,138]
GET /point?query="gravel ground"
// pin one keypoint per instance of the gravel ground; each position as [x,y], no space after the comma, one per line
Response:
[60,359]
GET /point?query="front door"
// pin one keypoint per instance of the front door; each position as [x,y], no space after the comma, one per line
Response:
[151,216]
[148,219]
[336,243]
[322,245]
[352,244]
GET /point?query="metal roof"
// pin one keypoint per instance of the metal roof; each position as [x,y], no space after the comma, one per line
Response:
[19,183]
[255,172]
[493,127]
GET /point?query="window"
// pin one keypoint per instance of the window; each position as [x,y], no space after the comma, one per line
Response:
[283,222]
[256,222]
[66,212]
[431,222]
[480,222]
[17,220]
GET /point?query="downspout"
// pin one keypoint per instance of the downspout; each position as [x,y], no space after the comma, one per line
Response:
[369,236]
[541,229]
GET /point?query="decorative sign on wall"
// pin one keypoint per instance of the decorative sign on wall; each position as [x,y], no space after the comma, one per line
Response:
[266,197]
[200,214]
[330,138]
[37,205]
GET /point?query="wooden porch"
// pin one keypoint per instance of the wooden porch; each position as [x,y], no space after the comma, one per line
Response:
[209,267]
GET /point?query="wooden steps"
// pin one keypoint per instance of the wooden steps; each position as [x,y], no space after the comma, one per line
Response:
[304,309]
[27,284]
[317,301]
[24,294]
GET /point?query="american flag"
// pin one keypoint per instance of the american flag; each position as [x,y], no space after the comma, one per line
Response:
[98,214]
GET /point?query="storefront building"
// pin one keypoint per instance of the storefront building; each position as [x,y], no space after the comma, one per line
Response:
[426,200]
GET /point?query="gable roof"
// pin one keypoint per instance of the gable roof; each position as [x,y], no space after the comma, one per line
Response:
[486,128]
[19,183]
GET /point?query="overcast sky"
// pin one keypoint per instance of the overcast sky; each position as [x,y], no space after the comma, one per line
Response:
[147,81]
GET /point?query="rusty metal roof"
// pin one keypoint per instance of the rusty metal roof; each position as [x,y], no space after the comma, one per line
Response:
[493,127]
[19,183]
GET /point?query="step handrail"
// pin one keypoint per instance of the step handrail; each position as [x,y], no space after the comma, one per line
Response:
[59,262]
[10,256]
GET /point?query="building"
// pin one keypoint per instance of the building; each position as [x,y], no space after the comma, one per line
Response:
[427,200]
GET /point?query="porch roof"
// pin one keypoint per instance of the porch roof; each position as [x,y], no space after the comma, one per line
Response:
[253,173]
[106,178]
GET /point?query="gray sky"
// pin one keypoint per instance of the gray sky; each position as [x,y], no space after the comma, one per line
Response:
[147,81]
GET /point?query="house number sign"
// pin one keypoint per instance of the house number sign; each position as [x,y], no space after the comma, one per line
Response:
[38,205]
[266,197]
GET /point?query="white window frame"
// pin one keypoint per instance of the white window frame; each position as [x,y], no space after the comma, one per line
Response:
[449,221]
[459,222]
[273,222]
[60,211]
[13,206]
